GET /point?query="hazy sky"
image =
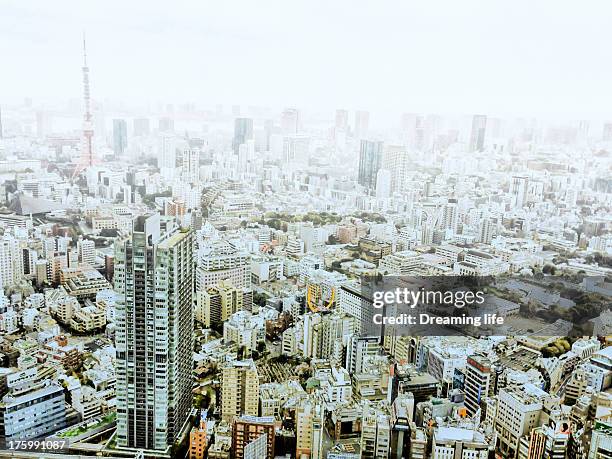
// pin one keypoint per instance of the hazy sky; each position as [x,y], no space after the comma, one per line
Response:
[520,57]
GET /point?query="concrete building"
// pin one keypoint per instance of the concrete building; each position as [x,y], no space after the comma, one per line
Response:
[239,389]
[31,411]
[253,438]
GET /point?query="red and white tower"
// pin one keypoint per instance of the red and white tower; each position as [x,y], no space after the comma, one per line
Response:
[87,158]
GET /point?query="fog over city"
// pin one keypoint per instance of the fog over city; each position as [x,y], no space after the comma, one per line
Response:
[306,230]
[546,59]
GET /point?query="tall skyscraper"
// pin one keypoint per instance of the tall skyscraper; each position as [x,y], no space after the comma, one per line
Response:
[243,131]
[290,121]
[370,161]
[154,277]
[477,137]
[191,165]
[485,231]
[420,133]
[296,149]
[166,124]
[519,188]
[141,127]
[362,123]
[341,119]
[268,131]
[397,160]
[119,136]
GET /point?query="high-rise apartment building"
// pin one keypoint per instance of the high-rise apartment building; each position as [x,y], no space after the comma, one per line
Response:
[216,303]
[370,161]
[154,339]
[11,262]
[309,430]
[220,262]
[86,249]
[239,389]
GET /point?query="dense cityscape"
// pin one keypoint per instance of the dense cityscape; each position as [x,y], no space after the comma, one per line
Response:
[182,280]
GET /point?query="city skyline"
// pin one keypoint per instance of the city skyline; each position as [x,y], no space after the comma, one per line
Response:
[331,236]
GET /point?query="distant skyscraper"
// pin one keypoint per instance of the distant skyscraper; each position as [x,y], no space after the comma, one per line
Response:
[166,125]
[296,149]
[519,189]
[420,133]
[119,136]
[268,131]
[397,161]
[408,127]
[582,136]
[154,277]
[290,121]
[607,132]
[341,119]
[485,231]
[370,160]
[243,132]
[450,216]
[167,152]
[477,137]
[191,165]
[1,132]
[141,127]
[362,123]
[383,184]
[41,124]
